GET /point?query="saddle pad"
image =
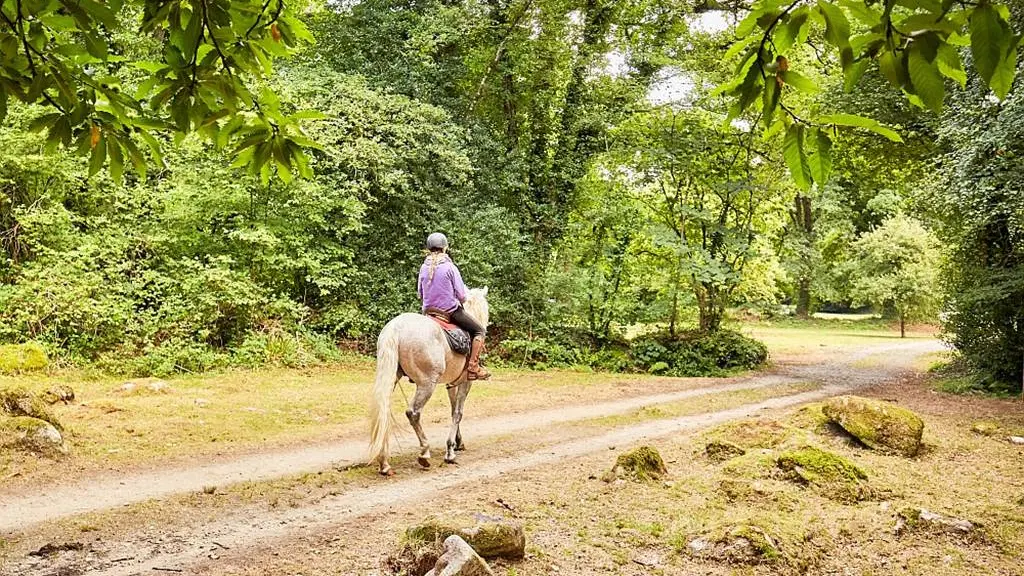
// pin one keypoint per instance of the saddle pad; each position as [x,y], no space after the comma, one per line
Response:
[458,339]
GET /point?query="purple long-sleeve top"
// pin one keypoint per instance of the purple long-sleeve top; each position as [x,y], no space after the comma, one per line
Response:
[445,290]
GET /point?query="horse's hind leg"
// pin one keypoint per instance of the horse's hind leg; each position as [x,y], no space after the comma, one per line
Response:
[457,395]
[419,400]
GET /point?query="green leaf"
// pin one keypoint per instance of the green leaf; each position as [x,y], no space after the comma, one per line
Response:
[948,60]
[769,100]
[3,103]
[821,160]
[862,11]
[740,45]
[796,158]
[792,31]
[116,166]
[892,68]
[1002,77]
[99,156]
[801,83]
[854,121]
[837,27]
[990,45]
[925,77]
[853,74]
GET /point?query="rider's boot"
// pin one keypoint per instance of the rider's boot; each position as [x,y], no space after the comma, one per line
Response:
[475,370]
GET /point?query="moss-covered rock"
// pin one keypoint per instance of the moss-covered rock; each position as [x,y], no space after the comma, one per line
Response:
[878,425]
[490,536]
[985,428]
[640,464]
[19,358]
[742,544]
[722,450]
[31,434]
[19,401]
[830,474]
[919,519]
[59,393]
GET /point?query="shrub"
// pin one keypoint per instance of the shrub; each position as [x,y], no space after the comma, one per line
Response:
[698,354]
[17,358]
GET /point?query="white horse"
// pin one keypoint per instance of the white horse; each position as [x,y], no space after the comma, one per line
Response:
[414,345]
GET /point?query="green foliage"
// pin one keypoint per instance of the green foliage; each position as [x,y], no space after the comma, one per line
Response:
[979,202]
[897,266]
[698,354]
[18,358]
[915,45]
[116,74]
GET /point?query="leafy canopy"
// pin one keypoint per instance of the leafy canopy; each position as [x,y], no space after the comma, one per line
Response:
[914,43]
[201,74]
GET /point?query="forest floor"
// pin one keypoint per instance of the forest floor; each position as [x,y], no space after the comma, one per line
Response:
[303,508]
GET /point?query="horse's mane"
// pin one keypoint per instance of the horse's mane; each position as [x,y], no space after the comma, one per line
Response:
[476,305]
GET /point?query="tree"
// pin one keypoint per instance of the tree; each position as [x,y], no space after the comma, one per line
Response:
[707,191]
[116,74]
[915,45]
[978,200]
[897,267]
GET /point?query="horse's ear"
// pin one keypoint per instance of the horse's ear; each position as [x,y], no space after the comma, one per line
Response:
[485,290]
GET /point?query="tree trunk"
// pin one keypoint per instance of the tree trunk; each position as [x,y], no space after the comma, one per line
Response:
[803,299]
[903,326]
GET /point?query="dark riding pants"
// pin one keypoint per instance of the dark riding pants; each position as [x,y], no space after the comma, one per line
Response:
[463,320]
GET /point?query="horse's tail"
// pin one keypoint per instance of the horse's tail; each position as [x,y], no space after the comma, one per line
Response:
[380,405]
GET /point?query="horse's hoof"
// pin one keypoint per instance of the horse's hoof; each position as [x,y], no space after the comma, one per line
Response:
[387,473]
[423,462]
[451,461]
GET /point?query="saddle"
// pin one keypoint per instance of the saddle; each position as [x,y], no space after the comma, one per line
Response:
[458,339]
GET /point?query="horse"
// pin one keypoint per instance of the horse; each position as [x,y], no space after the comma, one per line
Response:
[414,345]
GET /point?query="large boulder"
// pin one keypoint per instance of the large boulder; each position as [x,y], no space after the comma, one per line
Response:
[490,536]
[878,425]
[20,402]
[459,559]
[30,434]
[18,358]
[640,464]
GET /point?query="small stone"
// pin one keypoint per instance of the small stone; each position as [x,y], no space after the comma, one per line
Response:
[459,559]
[1018,440]
[59,393]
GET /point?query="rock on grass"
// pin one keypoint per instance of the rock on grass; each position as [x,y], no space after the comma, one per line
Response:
[878,425]
[743,544]
[30,434]
[18,358]
[722,450]
[490,536]
[641,464]
[830,474]
[920,519]
[459,559]
[20,402]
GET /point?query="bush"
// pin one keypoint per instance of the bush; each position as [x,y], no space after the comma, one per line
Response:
[18,358]
[698,354]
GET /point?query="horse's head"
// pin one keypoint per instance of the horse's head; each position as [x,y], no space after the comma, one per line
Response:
[476,305]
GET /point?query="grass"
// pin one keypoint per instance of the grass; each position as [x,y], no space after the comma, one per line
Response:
[241,410]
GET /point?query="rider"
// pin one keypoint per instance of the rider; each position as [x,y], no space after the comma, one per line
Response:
[442,291]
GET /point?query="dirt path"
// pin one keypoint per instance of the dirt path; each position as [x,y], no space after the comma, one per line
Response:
[183,549]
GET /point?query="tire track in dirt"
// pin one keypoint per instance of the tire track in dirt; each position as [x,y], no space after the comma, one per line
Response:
[184,548]
[18,513]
